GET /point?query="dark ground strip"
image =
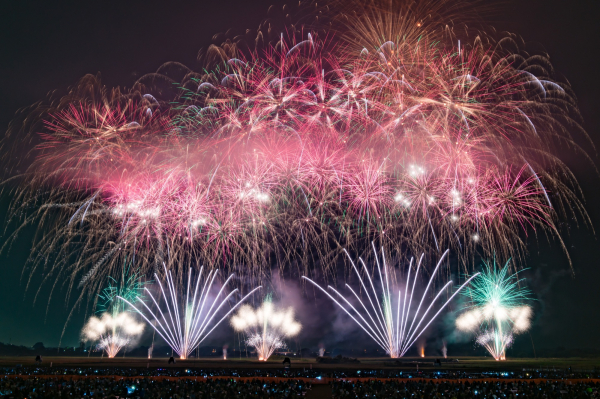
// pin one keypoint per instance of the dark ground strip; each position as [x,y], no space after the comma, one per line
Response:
[319,392]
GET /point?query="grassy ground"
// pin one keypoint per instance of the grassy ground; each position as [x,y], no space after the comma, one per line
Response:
[464,363]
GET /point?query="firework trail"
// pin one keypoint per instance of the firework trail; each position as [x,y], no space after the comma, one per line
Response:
[266,327]
[394,330]
[392,131]
[112,332]
[498,311]
[187,324]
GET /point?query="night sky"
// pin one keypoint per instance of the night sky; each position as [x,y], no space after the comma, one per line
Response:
[46,46]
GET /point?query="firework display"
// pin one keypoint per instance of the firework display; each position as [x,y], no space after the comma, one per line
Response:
[112,332]
[417,140]
[188,322]
[498,311]
[394,328]
[266,327]
[392,123]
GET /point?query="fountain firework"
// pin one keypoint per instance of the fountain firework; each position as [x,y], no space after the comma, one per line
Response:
[112,344]
[266,327]
[112,332]
[189,323]
[497,312]
[495,342]
[395,332]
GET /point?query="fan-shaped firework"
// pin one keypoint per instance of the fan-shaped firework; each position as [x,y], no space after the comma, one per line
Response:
[190,321]
[394,329]
[498,311]
[112,332]
[266,327]
[416,140]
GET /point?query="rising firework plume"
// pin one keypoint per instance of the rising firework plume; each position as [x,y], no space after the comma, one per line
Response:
[190,321]
[394,328]
[112,332]
[498,311]
[445,350]
[266,327]
[394,130]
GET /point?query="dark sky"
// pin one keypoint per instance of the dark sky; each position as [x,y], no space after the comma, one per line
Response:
[49,45]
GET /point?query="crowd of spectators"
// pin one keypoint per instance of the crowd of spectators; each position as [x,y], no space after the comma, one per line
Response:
[304,372]
[148,388]
[160,372]
[59,387]
[105,382]
[431,389]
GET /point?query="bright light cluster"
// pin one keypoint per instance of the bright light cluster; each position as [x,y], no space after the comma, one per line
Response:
[266,327]
[113,332]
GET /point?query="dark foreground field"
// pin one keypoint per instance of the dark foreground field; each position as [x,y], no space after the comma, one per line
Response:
[463,363]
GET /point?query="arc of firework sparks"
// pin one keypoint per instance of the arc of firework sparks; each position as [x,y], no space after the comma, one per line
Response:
[397,336]
[185,333]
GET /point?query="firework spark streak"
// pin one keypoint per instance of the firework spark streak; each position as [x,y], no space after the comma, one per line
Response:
[113,332]
[395,332]
[188,325]
[266,327]
[498,312]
